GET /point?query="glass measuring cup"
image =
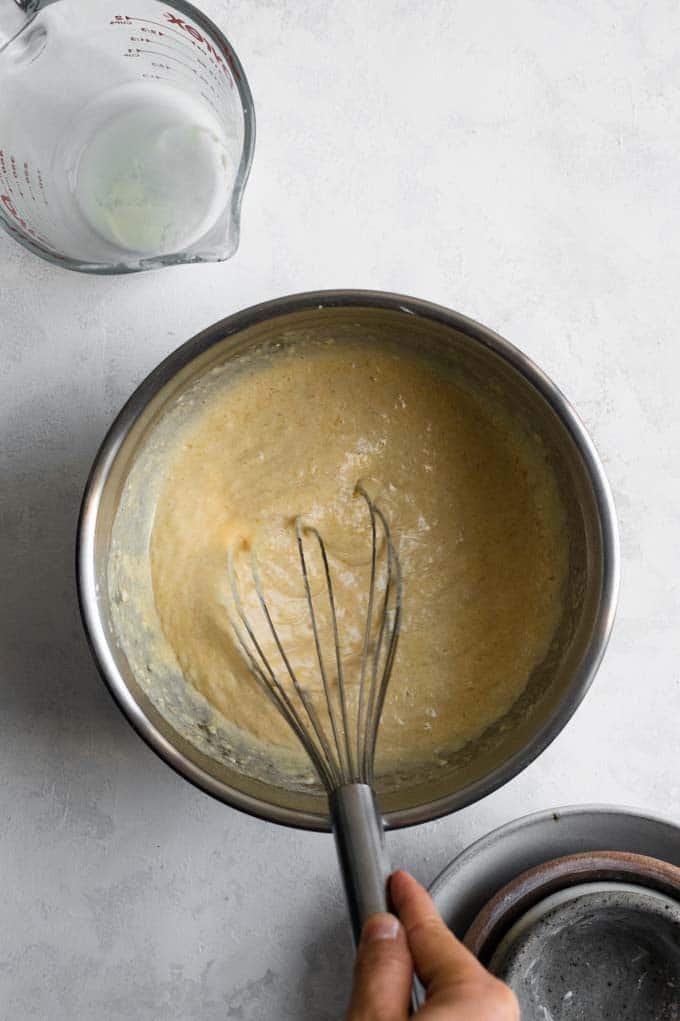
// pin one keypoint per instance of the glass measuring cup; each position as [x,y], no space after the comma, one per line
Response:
[127,131]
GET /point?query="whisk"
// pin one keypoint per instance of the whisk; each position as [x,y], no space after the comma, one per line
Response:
[340,739]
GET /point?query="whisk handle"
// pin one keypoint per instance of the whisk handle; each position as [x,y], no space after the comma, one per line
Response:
[360,842]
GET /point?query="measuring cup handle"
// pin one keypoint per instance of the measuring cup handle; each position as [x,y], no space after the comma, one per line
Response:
[13,19]
[33,6]
[15,15]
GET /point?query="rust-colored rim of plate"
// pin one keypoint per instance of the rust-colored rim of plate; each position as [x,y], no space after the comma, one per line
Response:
[530,887]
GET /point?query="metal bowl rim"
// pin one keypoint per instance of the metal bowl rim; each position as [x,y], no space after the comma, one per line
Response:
[220,331]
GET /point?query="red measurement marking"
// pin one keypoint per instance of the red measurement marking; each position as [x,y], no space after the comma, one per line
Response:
[172,19]
[35,237]
[168,56]
[175,33]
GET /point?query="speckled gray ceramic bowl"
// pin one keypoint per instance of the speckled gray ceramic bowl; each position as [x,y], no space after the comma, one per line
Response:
[594,952]
[475,876]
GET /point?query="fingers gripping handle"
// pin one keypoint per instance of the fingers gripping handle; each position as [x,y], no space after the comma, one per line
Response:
[360,842]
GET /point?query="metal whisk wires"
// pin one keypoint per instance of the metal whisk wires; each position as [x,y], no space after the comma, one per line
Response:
[339,732]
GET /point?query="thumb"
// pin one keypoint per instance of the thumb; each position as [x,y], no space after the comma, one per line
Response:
[440,959]
[382,973]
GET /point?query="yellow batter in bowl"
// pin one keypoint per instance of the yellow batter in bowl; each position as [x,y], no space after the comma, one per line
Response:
[471,499]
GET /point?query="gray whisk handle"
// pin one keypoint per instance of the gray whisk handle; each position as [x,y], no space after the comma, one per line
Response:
[360,842]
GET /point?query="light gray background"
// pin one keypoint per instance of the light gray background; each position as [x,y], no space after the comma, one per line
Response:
[516,161]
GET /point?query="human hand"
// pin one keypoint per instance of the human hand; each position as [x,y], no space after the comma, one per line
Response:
[458,987]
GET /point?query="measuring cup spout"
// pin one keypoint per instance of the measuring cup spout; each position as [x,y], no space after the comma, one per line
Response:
[14,17]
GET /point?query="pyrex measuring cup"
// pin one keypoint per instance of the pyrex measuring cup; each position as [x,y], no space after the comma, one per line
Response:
[126,133]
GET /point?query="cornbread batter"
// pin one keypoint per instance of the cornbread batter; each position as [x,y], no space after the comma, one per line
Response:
[472,502]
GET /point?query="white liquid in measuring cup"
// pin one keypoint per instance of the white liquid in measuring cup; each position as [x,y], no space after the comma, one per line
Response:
[150,171]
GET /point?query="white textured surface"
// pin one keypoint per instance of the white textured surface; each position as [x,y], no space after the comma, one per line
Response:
[517,162]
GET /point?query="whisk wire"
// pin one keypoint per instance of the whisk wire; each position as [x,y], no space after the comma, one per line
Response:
[378,689]
[266,676]
[371,712]
[342,758]
[363,715]
[345,768]
[312,714]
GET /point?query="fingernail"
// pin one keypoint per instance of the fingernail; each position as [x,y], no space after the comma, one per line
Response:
[380,927]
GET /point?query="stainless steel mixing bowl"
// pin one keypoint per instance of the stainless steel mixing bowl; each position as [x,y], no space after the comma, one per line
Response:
[556,688]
